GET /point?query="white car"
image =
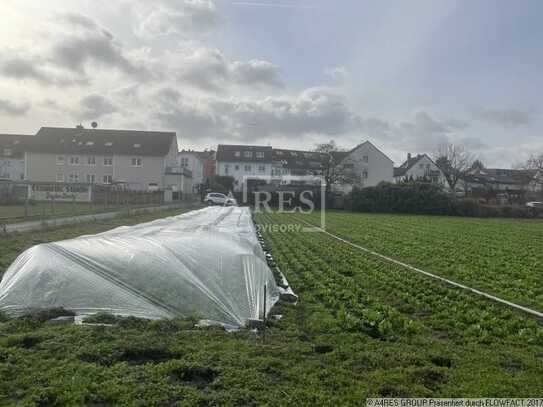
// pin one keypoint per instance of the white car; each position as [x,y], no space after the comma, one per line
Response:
[216,198]
[535,205]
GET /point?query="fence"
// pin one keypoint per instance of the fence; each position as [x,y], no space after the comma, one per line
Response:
[26,201]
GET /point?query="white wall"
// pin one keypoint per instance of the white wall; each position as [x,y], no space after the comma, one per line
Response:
[238,171]
[194,164]
[420,170]
[12,169]
[370,166]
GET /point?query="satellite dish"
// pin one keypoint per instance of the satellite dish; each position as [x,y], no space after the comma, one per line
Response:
[94,125]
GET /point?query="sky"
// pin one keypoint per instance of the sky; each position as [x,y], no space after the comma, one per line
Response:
[408,76]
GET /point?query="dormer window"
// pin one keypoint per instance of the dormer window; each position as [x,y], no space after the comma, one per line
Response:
[8,152]
[89,143]
[16,142]
[248,154]
[236,154]
[259,154]
[109,144]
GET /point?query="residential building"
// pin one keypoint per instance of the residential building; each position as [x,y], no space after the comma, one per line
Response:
[239,161]
[12,156]
[208,158]
[420,168]
[137,160]
[504,185]
[194,162]
[363,166]
[287,164]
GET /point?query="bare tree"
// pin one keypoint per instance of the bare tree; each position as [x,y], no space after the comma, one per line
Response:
[331,170]
[535,165]
[455,162]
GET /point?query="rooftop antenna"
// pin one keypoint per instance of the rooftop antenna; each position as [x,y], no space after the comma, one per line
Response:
[94,125]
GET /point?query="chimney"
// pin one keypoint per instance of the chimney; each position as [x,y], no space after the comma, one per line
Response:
[408,157]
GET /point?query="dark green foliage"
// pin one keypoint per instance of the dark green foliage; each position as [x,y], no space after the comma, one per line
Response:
[411,197]
[426,199]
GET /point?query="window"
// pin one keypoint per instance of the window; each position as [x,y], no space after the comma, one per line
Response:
[261,168]
[236,154]
[226,168]
[365,174]
[365,159]
[60,177]
[136,161]
[74,178]
[236,167]
[108,161]
[91,178]
[137,145]
[74,160]
[247,168]
[109,144]
[107,179]
[8,152]
[421,166]
[248,154]
[60,160]
[184,161]
[259,154]
[91,160]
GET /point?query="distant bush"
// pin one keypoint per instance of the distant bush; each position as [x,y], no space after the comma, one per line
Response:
[428,199]
[416,198]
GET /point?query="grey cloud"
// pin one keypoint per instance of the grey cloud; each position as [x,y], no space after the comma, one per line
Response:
[209,69]
[95,106]
[183,17]
[256,72]
[18,66]
[74,52]
[14,109]
[507,118]
[313,111]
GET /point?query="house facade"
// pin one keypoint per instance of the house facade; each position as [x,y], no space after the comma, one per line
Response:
[194,162]
[363,166]
[420,168]
[135,160]
[287,163]
[239,161]
[12,156]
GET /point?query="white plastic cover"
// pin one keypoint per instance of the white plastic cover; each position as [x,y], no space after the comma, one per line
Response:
[206,263]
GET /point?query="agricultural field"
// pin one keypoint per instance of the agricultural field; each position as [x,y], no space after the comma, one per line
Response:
[503,257]
[362,328]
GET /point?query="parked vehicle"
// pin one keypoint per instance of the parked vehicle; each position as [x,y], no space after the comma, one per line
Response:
[215,198]
[535,205]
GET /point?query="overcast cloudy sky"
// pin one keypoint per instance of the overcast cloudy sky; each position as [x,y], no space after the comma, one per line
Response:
[406,75]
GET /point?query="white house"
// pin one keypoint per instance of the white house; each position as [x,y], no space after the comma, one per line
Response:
[363,166]
[420,168]
[239,161]
[12,157]
[194,162]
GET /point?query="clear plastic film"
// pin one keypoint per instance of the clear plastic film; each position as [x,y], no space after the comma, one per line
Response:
[206,264]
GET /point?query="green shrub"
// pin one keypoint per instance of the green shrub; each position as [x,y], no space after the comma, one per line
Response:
[426,199]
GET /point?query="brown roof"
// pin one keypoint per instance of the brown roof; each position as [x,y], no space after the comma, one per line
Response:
[60,140]
[241,153]
[14,142]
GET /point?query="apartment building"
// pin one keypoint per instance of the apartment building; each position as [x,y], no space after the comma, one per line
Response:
[239,162]
[12,156]
[137,160]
